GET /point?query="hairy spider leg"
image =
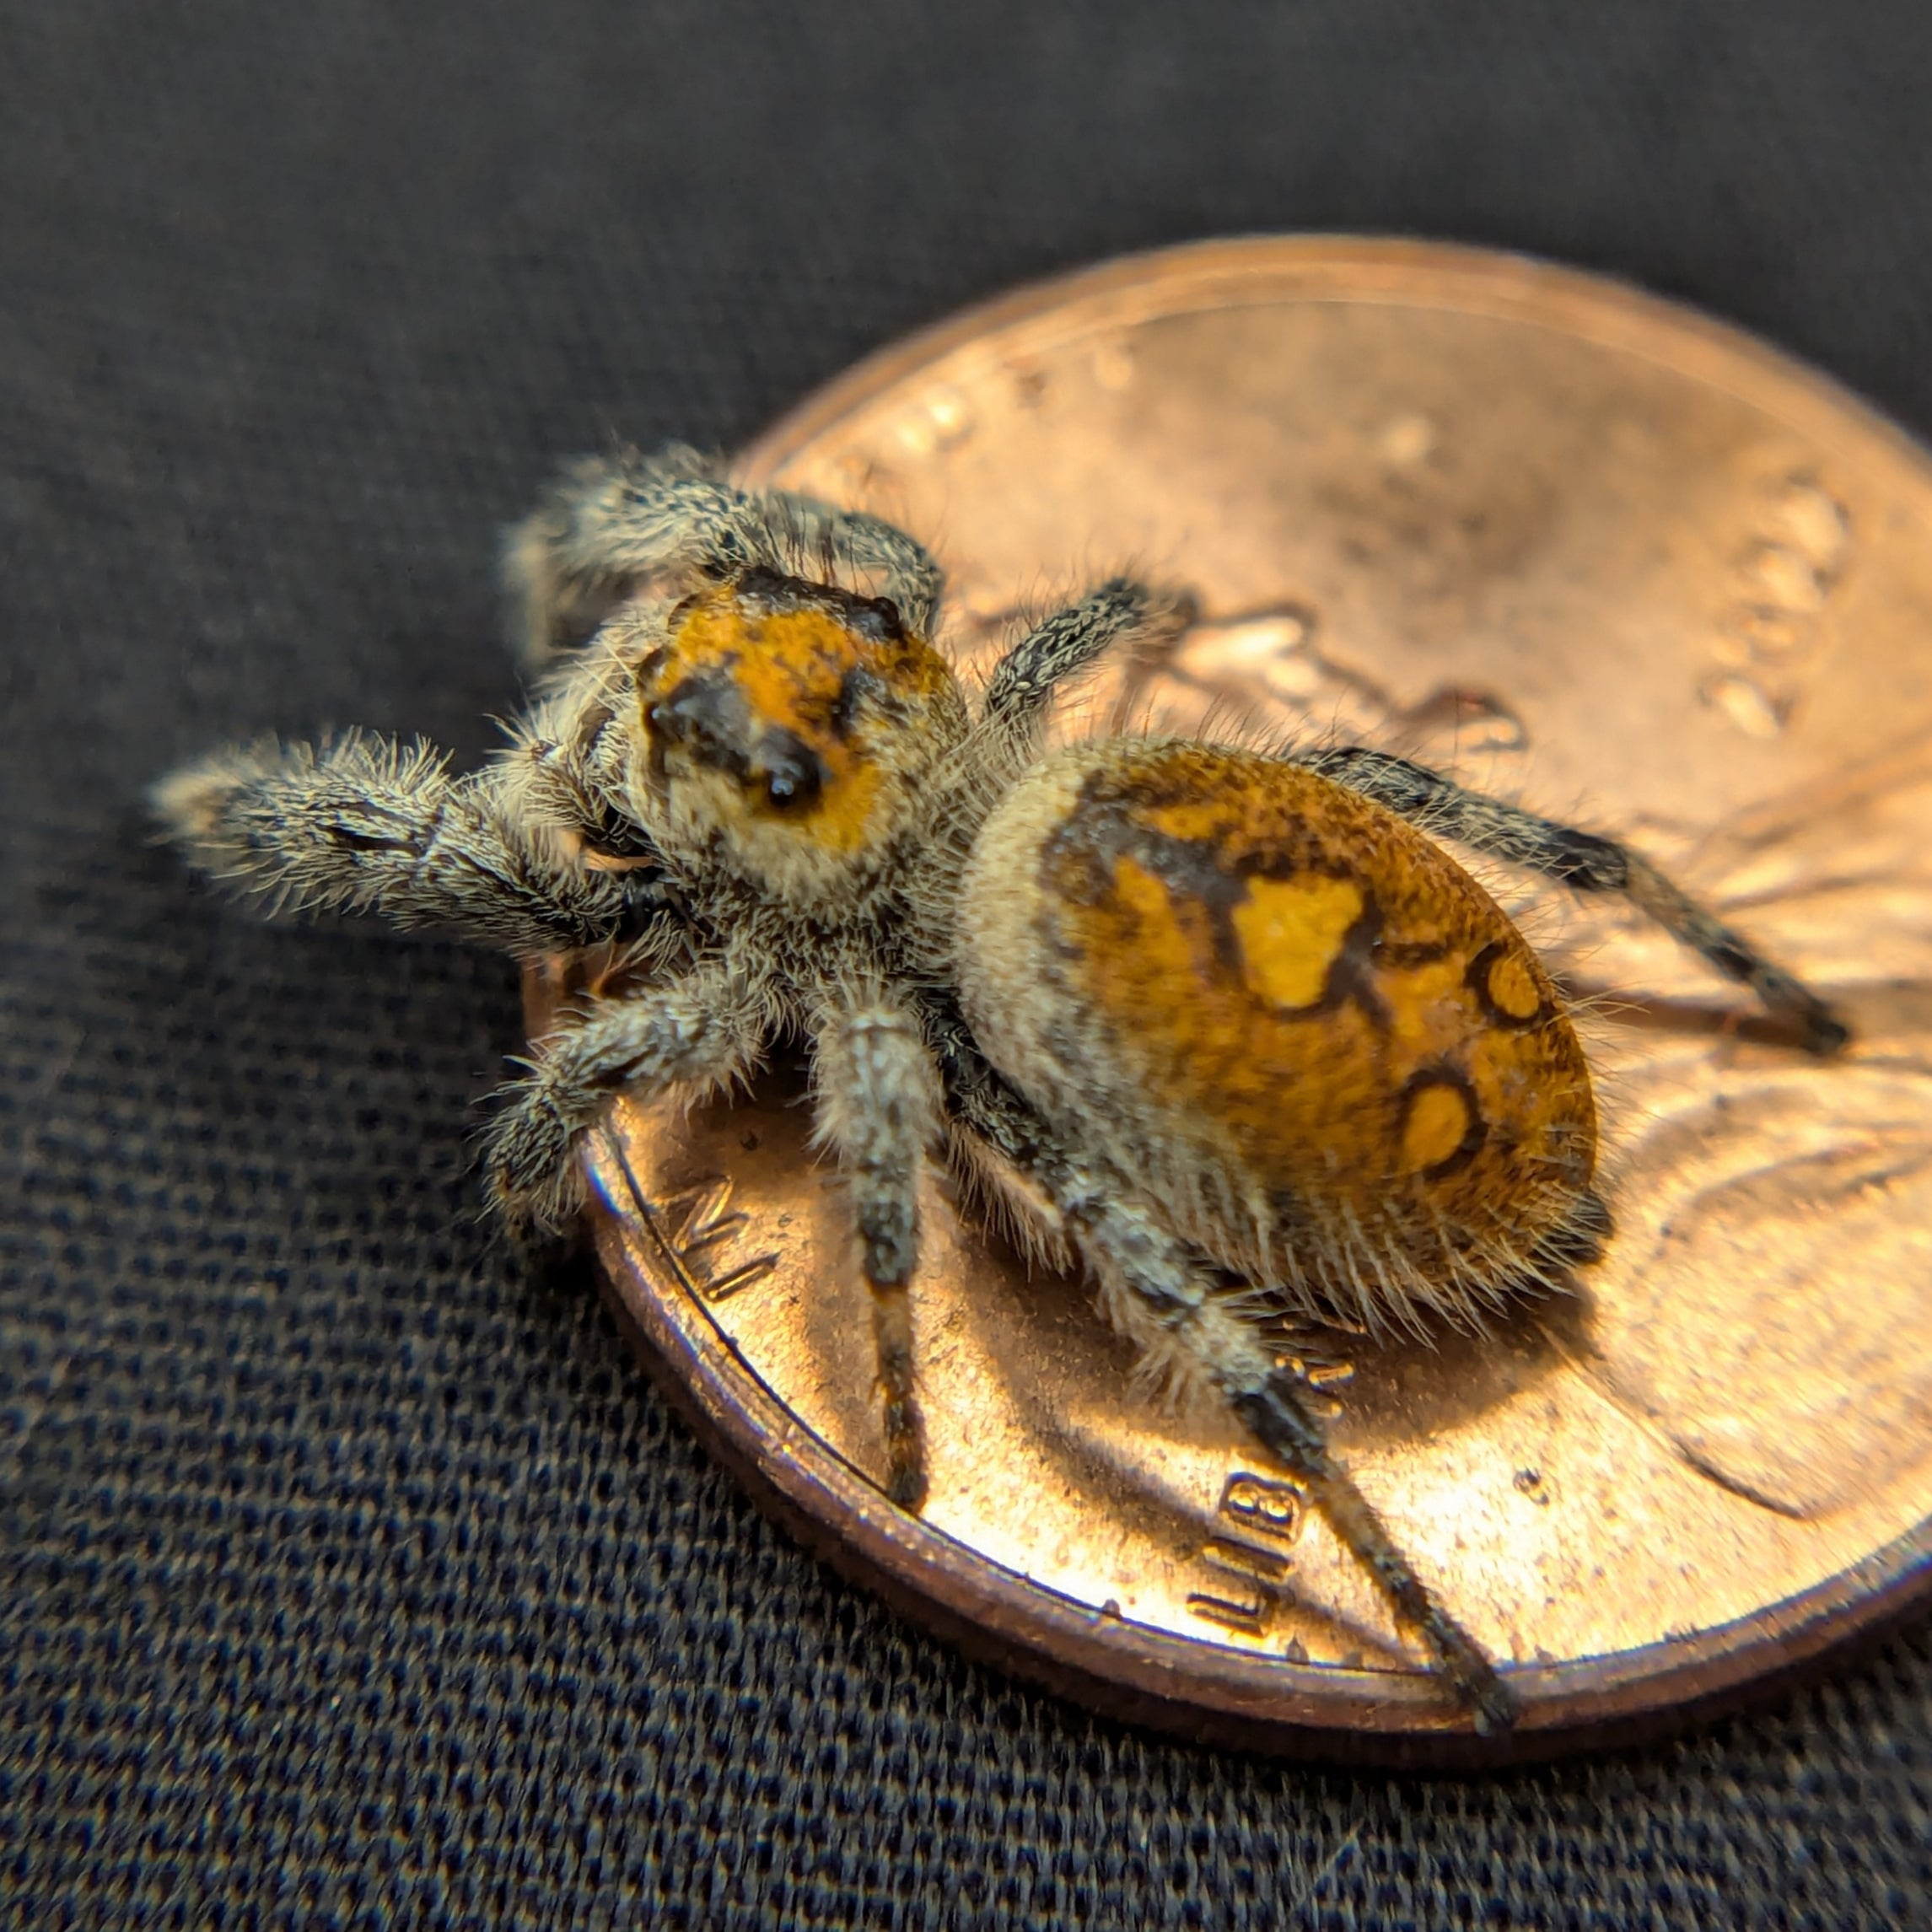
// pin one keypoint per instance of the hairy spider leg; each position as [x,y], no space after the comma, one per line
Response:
[363,824]
[1158,1292]
[609,523]
[704,1032]
[1024,681]
[1586,862]
[878,1108]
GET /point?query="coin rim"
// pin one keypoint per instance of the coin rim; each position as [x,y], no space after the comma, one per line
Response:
[1206,1692]
[1253,270]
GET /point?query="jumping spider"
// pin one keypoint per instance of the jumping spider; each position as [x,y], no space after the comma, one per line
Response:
[1202,1015]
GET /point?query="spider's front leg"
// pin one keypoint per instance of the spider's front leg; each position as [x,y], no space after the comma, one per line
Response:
[703,1031]
[879,1110]
[365,825]
[608,524]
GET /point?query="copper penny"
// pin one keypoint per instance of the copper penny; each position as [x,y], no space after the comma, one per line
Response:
[1579,547]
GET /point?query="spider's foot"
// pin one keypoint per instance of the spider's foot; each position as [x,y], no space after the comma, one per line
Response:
[906,1487]
[904,1451]
[535,1179]
[1822,1032]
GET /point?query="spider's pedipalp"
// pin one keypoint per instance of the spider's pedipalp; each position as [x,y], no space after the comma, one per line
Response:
[1585,862]
[364,823]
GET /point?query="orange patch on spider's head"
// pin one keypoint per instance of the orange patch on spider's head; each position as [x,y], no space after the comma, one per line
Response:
[790,691]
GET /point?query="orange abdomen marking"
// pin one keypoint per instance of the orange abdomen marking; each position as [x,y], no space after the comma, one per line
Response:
[1320,1002]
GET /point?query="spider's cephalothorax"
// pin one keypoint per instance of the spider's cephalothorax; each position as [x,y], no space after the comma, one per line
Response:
[1197,1012]
[792,729]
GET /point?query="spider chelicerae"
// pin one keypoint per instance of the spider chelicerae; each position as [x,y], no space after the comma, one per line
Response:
[1228,1025]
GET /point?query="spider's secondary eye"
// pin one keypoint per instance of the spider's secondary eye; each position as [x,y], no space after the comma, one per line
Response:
[857,687]
[877,619]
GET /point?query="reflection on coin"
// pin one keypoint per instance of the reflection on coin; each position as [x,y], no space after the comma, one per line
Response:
[1575,547]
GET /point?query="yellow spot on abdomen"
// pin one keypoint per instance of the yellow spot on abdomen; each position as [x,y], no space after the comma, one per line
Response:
[1292,932]
[1437,1123]
[1512,991]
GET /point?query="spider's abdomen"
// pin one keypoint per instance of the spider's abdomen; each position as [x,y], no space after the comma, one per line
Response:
[1296,1023]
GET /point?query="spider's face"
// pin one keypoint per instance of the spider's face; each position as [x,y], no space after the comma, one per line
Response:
[789,722]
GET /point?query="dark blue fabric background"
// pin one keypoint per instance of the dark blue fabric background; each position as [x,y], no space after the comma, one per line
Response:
[349,1575]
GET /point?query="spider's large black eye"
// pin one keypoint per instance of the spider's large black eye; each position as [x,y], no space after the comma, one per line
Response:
[793,773]
[706,714]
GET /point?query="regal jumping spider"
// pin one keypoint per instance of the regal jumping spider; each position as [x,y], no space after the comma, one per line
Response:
[1201,1013]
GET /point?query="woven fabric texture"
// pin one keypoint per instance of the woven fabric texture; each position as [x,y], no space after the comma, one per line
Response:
[350,1574]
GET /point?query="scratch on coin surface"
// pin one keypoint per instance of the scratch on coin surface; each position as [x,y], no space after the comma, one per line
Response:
[1659,1433]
